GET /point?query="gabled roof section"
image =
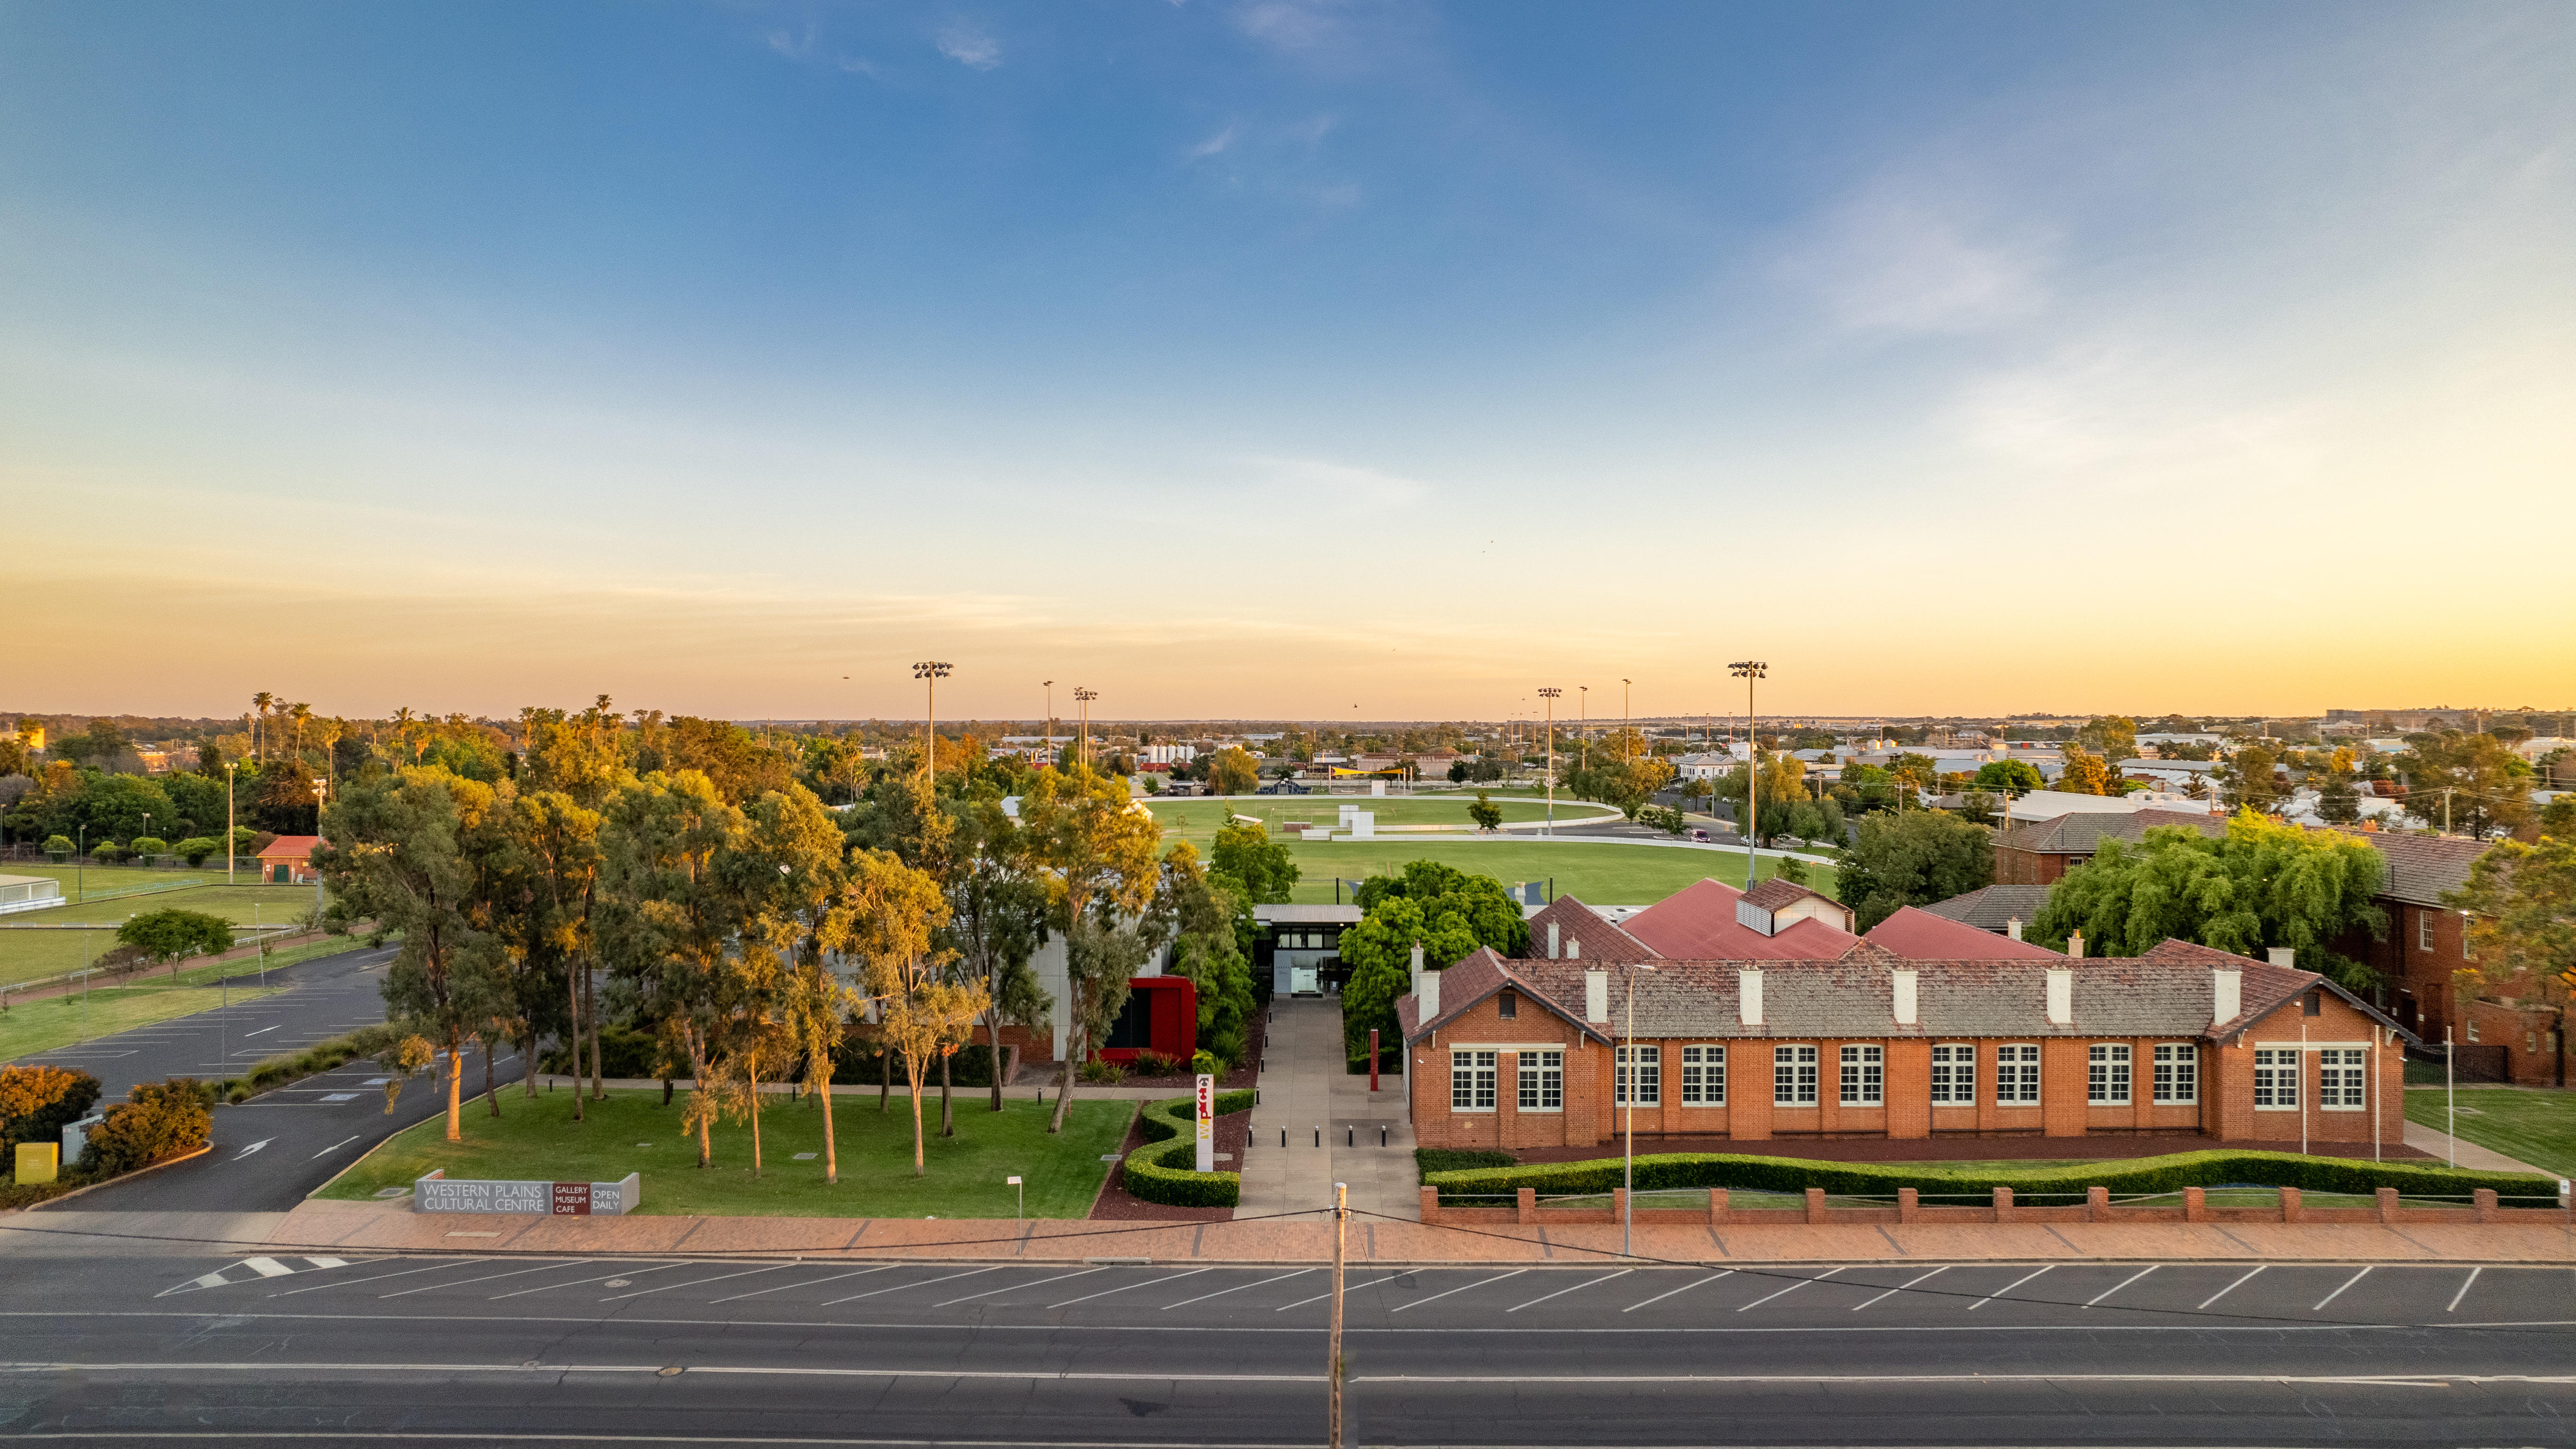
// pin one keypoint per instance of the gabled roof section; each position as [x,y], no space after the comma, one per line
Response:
[1477,978]
[1698,923]
[297,848]
[2084,832]
[1995,907]
[1774,893]
[2267,987]
[1602,940]
[1921,935]
[2422,868]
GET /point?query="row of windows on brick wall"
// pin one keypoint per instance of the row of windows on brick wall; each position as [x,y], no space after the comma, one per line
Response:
[2340,1079]
[1638,1077]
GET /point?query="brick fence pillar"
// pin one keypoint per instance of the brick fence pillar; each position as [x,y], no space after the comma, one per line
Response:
[2484,1200]
[1527,1205]
[1717,1207]
[2003,1205]
[1816,1204]
[2387,1204]
[2195,1204]
[2097,1204]
[2291,1208]
[1908,1200]
[1431,1204]
[1618,1204]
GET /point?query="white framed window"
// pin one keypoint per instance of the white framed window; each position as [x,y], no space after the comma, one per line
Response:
[1646,1065]
[1793,1076]
[2106,1075]
[2339,1080]
[1471,1079]
[1703,1076]
[1542,1080]
[1864,1076]
[2423,930]
[2177,1073]
[1954,1075]
[2276,1079]
[2017,1075]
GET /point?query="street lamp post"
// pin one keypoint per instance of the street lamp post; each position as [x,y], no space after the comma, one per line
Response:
[231,852]
[1550,693]
[1749,670]
[1084,697]
[930,672]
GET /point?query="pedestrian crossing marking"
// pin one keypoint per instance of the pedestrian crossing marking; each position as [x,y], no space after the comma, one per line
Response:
[251,1270]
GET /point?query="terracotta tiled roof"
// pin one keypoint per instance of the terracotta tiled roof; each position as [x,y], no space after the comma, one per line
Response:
[1921,935]
[1575,921]
[2082,833]
[1474,978]
[1698,922]
[1774,893]
[297,848]
[1994,907]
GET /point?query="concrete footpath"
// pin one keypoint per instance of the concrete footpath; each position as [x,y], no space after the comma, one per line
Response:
[1317,1125]
[345,1228]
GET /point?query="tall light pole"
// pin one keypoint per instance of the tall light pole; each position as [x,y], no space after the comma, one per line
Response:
[1583,726]
[930,672]
[1550,694]
[1623,721]
[1083,697]
[230,849]
[1049,686]
[1749,670]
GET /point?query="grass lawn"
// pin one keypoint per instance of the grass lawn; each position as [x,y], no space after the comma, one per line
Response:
[1604,874]
[34,955]
[2538,1127]
[1197,820]
[540,1140]
[54,1022]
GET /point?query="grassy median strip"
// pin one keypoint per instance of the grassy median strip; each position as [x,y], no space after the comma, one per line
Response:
[540,1140]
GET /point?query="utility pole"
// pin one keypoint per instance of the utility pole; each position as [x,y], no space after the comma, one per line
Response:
[1550,693]
[1341,1232]
[930,672]
[1750,670]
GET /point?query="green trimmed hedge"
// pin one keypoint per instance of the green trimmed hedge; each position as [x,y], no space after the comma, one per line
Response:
[274,1072]
[1149,1173]
[2132,1177]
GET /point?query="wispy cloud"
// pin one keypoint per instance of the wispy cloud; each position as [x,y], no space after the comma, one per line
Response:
[1902,260]
[809,49]
[970,45]
[1321,480]
[1214,144]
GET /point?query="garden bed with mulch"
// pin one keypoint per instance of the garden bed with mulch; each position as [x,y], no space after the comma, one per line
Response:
[1117,1204]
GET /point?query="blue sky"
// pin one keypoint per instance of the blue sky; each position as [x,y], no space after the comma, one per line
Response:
[1239,357]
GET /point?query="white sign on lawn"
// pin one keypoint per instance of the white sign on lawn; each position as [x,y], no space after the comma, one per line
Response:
[439,1193]
[1207,1123]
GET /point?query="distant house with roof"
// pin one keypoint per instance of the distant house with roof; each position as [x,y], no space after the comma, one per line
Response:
[2041,853]
[288,860]
[2000,910]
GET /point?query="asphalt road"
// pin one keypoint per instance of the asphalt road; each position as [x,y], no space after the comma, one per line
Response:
[273,1150]
[479,1350]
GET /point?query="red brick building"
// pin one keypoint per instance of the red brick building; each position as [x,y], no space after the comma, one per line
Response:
[2500,1032]
[2042,853]
[1861,1041]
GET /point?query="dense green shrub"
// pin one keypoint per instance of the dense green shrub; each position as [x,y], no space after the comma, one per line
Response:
[196,848]
[37,1103]
[270,1073]
[160,1121]
[1153,1172]
[1428,1160]
[2134,1177]
[625,1053]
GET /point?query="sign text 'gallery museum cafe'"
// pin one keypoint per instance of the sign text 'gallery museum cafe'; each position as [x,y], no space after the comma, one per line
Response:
[1752,1016]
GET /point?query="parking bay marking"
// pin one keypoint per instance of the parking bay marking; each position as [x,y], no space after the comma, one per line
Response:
[1685,1288]
[1792,1288]
[694,1282]
[1042,1282]
[811,1282]
[2007,1288]
[899,1287]
[1174,1278]
[1237,1288]
[2338,1293]
[1901,1287]
[1561,1292]
[1461,1288]
[2123,1283]
[2230,1288]
[2464,1288]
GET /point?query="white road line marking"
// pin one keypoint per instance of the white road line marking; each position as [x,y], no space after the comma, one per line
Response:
[660,1370]
[1901,1287]
[1174,1278]
[1792,1288]
[2116,1287]
[328,1262]
[1685,1288]
[2464,1288]
[1963,1380]
[2007,1288]
[694,1282]
[1461,1288]
[1237,1288]
[808,1283]
[254,1147]
[263,1031]
[2230,1288]
[1041,1283]
[2338,1293]
[899,1287]
[405,1273]
[461,1282]
[334,1147]
[267,1267]
[1320,1297]
[1561,1292]
[583,1282]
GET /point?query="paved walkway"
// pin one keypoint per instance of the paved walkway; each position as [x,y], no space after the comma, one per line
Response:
[1305,1091]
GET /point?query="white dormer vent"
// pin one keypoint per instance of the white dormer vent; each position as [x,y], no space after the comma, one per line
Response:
[1903,983]
[2226,996]
[1427,997]
[2061,996]
[1748,997]
[1756,917]
[1596,996]
[1552,951]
